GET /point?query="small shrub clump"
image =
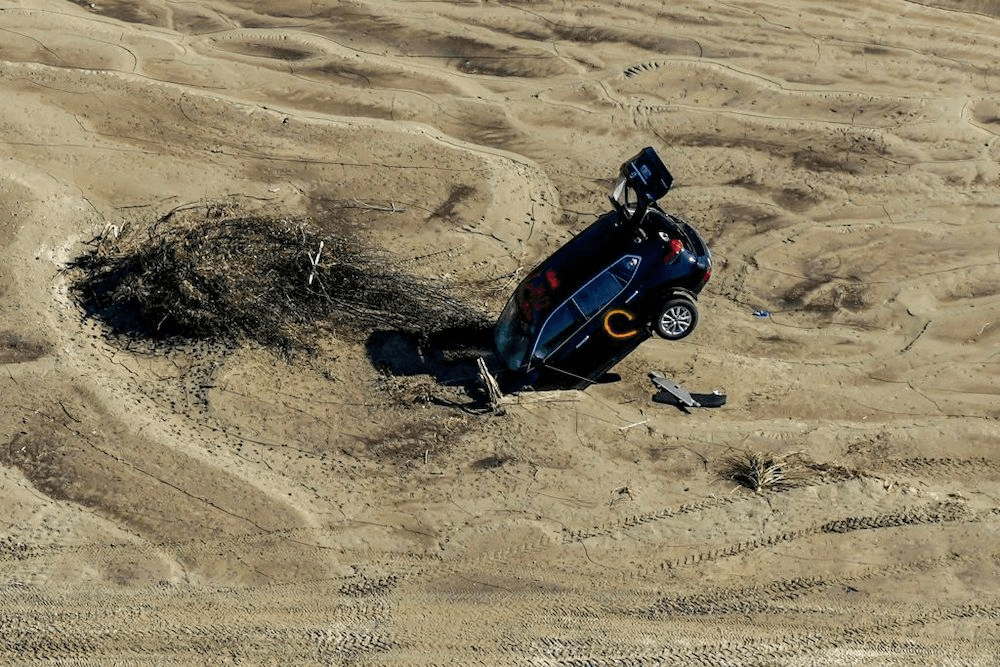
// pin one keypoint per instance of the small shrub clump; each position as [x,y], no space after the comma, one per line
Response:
[762,471]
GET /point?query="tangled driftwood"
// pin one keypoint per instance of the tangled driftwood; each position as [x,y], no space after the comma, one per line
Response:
[205,272]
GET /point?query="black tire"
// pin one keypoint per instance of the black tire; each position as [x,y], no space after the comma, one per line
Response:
[676,319]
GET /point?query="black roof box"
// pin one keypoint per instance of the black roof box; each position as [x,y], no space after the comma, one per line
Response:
[642,180]
[646,174]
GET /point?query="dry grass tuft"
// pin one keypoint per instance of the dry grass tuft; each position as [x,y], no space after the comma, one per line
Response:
[215,272]
[762,471]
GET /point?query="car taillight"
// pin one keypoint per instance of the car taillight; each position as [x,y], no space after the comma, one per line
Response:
[673,249]
[704,278]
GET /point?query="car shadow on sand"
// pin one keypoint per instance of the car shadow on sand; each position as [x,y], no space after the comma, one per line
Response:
[449,356]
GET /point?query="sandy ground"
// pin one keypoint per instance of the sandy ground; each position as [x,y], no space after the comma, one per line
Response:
[215,506]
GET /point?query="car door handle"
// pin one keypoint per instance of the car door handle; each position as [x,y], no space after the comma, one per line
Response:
[585,339]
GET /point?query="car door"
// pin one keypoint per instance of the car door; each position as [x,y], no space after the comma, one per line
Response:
[595,327]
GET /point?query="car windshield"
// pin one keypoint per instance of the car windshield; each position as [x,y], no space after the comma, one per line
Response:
[524,315]
[514,335]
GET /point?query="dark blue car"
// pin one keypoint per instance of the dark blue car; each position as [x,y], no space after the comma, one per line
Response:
[635,271]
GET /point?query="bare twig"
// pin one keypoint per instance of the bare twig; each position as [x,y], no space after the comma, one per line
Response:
[390,208]
[315,263]
[628,426]
[490,384]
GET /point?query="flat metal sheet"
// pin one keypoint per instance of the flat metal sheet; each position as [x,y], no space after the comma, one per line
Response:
[674,389]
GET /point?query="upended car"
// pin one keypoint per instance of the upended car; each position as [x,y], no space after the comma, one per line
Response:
[634,272]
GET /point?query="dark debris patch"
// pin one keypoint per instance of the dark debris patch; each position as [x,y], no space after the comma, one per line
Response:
[15,348]
[213,272]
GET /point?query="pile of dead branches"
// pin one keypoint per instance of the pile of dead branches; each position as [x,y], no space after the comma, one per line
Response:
[204,273]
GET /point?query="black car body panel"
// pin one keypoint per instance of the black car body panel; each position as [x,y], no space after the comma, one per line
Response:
[595,299]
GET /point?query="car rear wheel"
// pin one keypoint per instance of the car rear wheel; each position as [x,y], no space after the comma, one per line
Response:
[677,318]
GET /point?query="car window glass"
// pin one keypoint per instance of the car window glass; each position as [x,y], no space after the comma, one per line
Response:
[606,286]
[625,268]
[597,293]
[563,320]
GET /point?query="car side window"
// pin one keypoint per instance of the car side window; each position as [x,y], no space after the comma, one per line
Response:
[599,292]
[584,304]
[562,320]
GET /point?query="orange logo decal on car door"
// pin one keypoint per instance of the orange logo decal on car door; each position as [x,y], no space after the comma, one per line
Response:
[620,330]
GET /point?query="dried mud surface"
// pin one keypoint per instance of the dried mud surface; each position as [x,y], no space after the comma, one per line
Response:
[220,504]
